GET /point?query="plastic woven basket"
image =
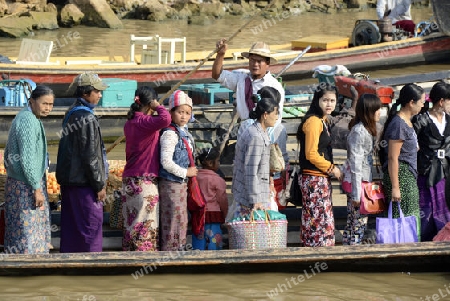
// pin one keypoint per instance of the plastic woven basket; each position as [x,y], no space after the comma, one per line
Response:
[257,234]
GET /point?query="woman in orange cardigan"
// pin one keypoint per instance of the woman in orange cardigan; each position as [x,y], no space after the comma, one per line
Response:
[317,168]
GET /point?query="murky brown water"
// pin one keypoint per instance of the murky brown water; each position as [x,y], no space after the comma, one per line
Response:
[279,30]
[400,286]
[324,286]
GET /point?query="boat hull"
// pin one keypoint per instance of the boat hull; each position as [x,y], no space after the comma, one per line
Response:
[418,257]
[432,48]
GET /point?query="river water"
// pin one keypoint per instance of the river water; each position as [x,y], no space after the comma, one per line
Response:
[401,286]
[90,41]
[325,285]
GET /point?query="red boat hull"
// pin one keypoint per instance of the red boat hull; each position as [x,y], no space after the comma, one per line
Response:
[428,49]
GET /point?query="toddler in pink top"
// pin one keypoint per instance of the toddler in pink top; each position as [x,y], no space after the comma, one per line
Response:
[213,188]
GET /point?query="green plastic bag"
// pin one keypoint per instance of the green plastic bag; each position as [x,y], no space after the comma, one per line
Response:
[260,215]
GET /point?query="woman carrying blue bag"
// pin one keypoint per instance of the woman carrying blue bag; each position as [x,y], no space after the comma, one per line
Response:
[398,153]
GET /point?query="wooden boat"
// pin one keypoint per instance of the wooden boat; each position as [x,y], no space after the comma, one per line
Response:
[418,257]
[212,120]
[430,48]
[441,11]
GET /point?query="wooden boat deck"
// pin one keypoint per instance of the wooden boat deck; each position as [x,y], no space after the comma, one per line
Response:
[418,257]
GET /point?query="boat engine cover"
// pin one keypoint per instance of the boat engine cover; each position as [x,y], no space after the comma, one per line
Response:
[366,32]
[362,86]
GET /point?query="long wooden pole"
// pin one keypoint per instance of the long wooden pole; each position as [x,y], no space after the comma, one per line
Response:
[187,76]
[235,115]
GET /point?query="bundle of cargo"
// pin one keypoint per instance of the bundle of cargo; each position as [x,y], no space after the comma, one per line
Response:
[2,178]
[2,199]
[2,184]
[53,189]
[114,181]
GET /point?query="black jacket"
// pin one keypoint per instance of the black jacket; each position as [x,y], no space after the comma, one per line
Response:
[430,142]
[80,159]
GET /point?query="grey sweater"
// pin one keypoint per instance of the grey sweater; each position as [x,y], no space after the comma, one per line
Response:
[359,156]
[251,167]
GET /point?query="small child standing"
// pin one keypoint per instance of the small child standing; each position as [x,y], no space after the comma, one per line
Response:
[174,173]
[213,188]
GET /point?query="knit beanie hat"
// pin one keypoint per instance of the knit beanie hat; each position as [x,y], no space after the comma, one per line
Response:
[179,98]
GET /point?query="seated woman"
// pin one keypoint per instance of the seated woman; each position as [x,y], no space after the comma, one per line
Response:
[398,12]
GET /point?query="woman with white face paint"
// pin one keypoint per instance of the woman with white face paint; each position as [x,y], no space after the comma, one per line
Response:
[433,164]
[317,168]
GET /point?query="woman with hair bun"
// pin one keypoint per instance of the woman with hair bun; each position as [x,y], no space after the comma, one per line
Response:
[27,229]
[251,188]
[140,186]
[398,152]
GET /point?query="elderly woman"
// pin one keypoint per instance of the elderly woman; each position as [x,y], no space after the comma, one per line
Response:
[26,202]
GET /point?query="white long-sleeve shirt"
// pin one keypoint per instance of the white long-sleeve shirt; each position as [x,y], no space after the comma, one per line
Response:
[400,9]
[236,81]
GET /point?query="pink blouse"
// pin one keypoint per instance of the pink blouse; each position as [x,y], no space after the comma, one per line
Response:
[142,142]
[213,188]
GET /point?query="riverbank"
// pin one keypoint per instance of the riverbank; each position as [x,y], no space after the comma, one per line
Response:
[23,20]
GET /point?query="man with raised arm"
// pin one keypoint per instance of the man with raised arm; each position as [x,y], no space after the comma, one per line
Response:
[247,84]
